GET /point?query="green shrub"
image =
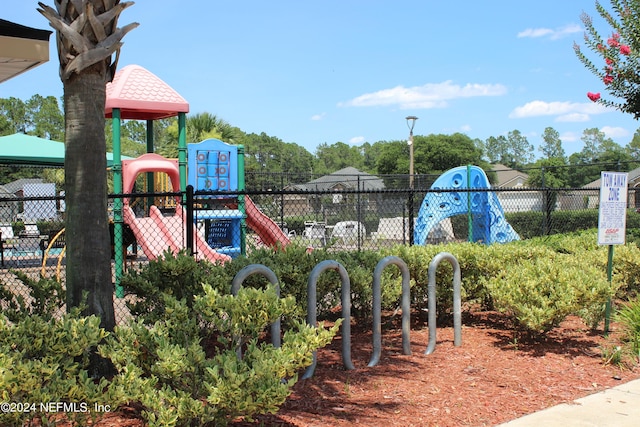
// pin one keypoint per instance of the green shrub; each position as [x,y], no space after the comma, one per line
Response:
[293,266]
[360,266]
[46,298]
[183,378]
[629,318]
[626,270]
[177,275]
[47,360]
[477,262]
[45,355]
[418,259]
[541,293]
[538,281]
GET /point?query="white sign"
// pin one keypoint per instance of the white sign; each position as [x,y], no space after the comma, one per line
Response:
[612,218]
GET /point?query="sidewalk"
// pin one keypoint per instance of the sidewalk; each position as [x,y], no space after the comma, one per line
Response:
[616,407]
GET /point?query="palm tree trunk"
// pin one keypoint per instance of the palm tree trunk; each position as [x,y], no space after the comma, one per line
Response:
[87,222]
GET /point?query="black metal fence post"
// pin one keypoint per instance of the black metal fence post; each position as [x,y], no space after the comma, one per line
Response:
[359,236]
[189,219]
[411,191]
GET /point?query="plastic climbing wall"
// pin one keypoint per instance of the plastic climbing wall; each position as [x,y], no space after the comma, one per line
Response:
[213,166]
[488,222]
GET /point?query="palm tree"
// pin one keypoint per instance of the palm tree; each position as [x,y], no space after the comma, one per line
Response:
[87,38]
[202,126]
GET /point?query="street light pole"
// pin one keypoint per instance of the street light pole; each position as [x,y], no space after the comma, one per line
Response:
[411,122]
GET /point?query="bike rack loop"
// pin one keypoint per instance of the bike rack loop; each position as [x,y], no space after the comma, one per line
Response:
[312,311]
[271,277]
[377,311]
[457,300]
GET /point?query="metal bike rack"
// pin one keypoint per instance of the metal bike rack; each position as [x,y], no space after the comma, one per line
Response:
[377,311]
[457,300]
[312,311]
[345,294]
[271,277]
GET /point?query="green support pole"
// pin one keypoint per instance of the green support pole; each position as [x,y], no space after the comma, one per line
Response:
[469,214]
[182,153]
[241,207]
[607,308]
[118,227]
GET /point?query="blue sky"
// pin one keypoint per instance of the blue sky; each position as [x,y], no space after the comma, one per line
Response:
[313,72]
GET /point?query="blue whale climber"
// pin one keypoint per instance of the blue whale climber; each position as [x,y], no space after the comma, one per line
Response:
[489,223]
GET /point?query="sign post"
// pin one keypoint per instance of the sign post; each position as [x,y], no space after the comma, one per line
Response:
[612,221]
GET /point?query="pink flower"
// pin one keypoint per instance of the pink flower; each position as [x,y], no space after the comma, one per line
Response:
[625,49]
[601,47]
[609,61]
[593,96]
[608,79]
[613,42]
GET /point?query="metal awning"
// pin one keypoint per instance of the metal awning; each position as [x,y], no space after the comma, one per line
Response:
[21,48]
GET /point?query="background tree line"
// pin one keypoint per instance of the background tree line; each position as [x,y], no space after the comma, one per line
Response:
[270,162]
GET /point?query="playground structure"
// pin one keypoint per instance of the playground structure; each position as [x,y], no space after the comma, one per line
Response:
[137,94]
[220,237]
[487,223]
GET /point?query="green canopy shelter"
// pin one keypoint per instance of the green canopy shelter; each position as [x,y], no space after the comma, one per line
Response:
[21,149]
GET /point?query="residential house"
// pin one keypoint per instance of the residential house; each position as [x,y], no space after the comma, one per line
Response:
[515,201]
[16,188]
[591,199]
[9,210]
[30,209]
[347,179]
[508,178]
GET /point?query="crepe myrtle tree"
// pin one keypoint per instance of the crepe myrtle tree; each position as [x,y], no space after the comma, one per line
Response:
[618,61]
[87,39]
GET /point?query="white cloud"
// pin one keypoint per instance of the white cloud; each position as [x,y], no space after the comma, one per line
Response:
[535,32]
[573,117]
[465,128]
[556,34]
[567,110]
[567,30]
[357,140]
[614,132]
[570,137]
[318,116]
[430,95]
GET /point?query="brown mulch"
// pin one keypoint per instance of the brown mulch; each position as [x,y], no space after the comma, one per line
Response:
[493,377]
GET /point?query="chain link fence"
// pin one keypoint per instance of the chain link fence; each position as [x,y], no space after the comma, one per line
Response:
[218,226]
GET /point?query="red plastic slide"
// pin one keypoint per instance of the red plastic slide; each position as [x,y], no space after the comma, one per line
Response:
[264,226]
[158,233]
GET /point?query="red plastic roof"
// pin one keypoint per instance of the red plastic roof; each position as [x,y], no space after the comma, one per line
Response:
[141,95]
